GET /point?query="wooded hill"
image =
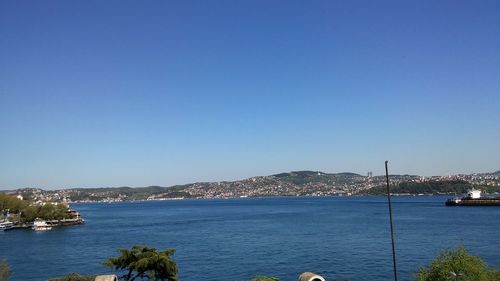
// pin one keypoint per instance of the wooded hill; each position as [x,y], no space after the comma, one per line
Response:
[431,187]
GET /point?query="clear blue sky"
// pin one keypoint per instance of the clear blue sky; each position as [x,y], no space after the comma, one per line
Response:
[137,93]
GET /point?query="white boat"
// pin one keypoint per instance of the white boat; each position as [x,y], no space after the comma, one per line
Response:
[6,225]
[41,225]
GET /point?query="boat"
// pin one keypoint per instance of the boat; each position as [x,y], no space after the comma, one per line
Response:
[65,222]
[6,225]
[473,198]
[39,224]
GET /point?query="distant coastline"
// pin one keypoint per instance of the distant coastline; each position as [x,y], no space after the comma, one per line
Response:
[277,196]
[297,183]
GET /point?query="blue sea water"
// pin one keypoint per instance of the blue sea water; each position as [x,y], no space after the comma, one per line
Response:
[341,238]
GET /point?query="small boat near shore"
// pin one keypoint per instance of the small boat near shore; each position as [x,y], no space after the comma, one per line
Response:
[473,198]
[41,225]
[6,225]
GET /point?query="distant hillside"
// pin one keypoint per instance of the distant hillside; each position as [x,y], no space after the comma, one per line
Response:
[295,183]
[303,177]
[430,187]
[314,173]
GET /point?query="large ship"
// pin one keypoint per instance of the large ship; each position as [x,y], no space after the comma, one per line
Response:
[473,198]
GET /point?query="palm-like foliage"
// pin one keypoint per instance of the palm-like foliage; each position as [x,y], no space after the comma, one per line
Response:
[144,262]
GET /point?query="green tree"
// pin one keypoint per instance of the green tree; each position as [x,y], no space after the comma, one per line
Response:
[11,203]
[457,264]
[28,214]
[142,262]
[4,270]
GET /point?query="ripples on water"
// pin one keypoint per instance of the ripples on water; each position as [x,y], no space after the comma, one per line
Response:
[340,238]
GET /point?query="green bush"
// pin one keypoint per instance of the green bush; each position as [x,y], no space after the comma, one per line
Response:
[457,264]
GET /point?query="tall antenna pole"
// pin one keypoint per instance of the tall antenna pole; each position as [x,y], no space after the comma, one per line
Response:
[390,220]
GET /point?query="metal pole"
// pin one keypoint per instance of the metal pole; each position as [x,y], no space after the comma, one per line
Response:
[390,220]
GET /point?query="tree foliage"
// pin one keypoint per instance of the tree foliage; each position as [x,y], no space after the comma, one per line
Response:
[11,203]
[74,277]
[144,262]
[429,187]
[52,212]
[457,264]
[25,212]
[4,270]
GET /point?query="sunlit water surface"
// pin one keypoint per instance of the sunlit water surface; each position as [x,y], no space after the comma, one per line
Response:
[341,238]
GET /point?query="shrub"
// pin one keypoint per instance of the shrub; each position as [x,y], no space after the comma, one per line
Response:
[457,264]
[74,277]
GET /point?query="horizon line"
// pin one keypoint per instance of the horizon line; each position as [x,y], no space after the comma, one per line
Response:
[194,182]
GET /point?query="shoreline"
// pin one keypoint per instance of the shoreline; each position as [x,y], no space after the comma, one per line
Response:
[263,197]
[51,223]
